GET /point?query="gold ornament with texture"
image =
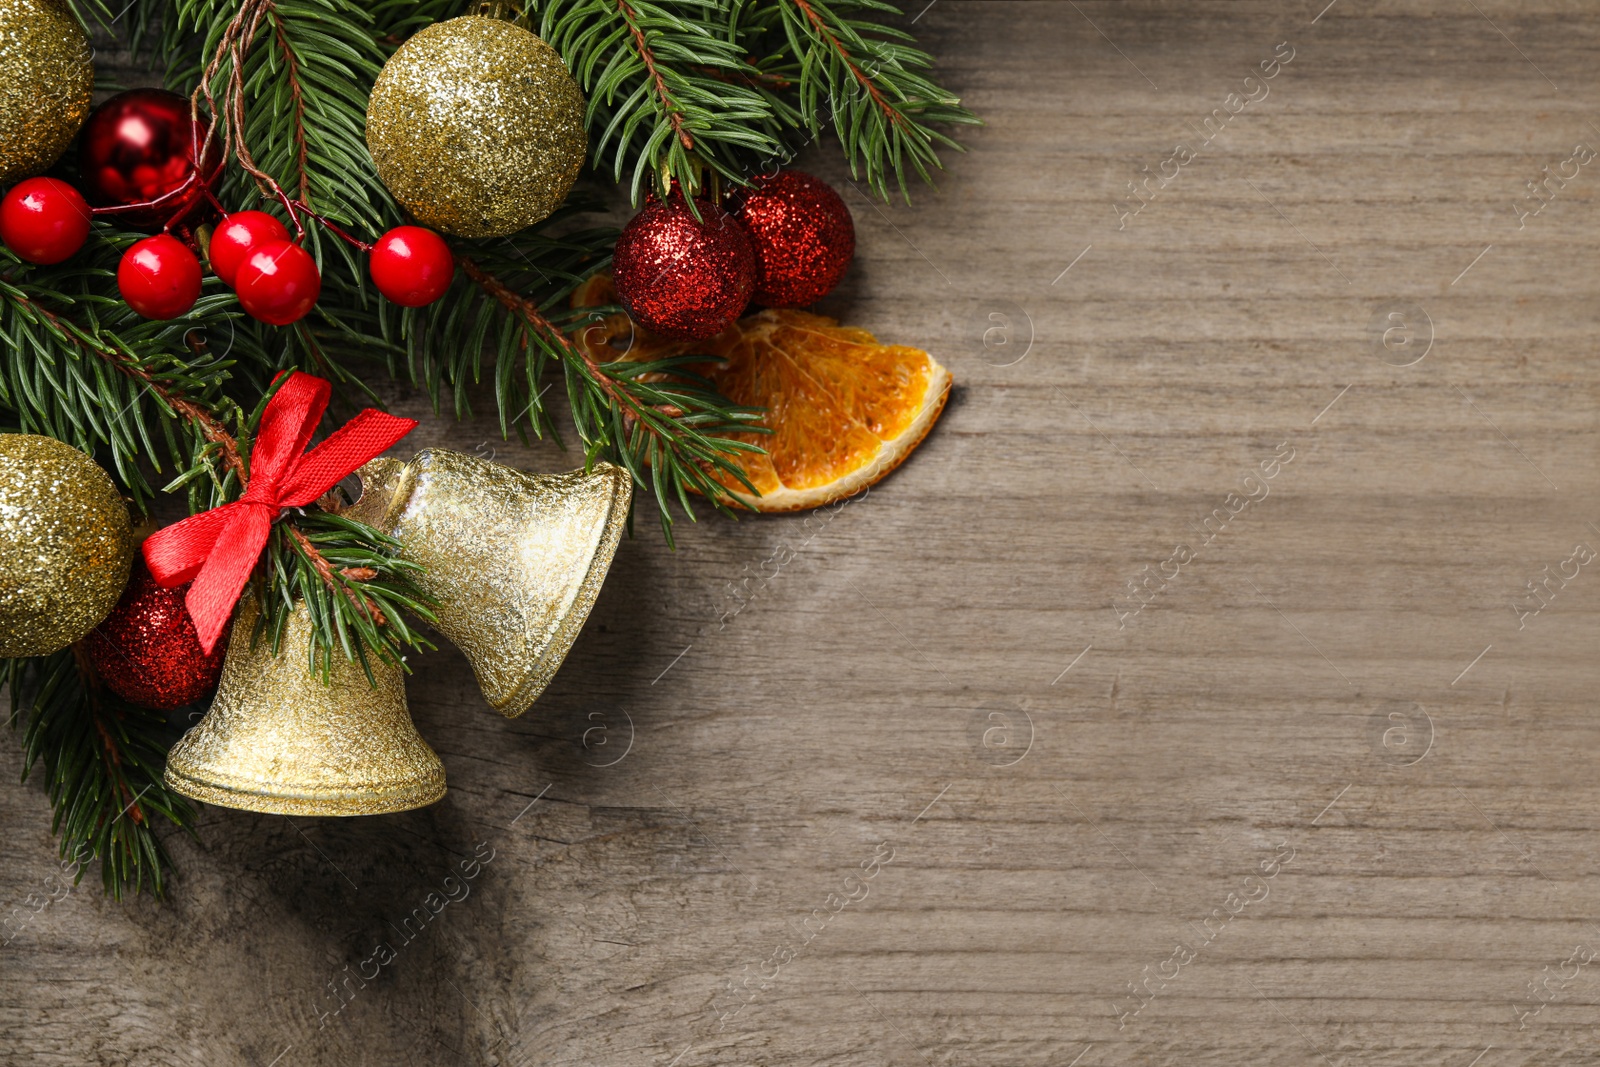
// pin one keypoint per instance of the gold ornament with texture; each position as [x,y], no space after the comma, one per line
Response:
[65,545]
[46,75]
[513,561]
[278,739]
[476,126]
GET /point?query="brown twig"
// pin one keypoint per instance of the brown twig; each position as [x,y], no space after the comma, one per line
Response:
[209,426]
[648,56]
[325,571]
[232,49]
[512,301]
[291,73]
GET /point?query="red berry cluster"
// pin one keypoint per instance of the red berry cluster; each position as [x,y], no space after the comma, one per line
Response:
[276,280]
[138,163]
[45,220]
[785,241]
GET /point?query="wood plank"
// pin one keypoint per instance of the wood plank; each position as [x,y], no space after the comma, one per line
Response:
[1339,673]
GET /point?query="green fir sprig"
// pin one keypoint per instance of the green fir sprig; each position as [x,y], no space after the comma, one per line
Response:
[102,759]
[703,94]
[356,591]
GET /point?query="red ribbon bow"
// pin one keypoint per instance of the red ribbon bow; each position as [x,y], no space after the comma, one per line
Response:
[218,549]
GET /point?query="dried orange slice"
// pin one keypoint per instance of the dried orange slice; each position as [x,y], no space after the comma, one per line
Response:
[844,409]
[614,336]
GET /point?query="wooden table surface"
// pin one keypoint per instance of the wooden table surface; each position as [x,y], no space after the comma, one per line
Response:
[1184,700]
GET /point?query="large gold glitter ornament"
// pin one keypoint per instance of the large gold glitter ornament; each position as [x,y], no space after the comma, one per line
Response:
[65,545]
[476,126]
[514,560]
[45,79]
[280,741]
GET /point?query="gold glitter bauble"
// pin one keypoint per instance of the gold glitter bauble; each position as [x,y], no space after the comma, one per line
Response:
[65,545]
[279,740]
[476,126]
[45,79]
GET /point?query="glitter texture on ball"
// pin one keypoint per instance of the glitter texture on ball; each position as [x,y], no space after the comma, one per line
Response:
[46,75]
[476,126]
[147,652]
[683,277]
[803,236]
[65,545]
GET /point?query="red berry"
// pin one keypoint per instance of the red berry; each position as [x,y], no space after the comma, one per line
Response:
[43,220]
[412,266]
[236,236]
[278,282]
[159,277]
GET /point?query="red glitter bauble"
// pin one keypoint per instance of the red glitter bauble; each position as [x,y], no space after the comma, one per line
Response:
[147,652]
[803,235]
[682,277]
[139,146]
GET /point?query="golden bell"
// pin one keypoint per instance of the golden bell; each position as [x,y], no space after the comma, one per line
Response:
[513,560]
[280,741]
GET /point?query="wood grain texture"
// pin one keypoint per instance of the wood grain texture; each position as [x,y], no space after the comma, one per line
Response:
[1334,688]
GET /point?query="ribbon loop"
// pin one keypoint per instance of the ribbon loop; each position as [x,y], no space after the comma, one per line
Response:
[218,549]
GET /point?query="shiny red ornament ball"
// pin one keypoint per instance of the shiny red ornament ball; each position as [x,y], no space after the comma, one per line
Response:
[412,266]
[682,277]
[159,277]
[278,282]
[147,652]
[803,236]
[138,147]
[44,220]
[235,236]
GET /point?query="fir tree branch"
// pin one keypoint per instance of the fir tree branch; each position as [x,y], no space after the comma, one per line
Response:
[356,591]
[670,91]
[102,760]
[78,365]
[647,56]
[666,425]
[821,29]
[864,77]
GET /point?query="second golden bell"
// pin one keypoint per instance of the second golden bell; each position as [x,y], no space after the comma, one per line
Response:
[514,560]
